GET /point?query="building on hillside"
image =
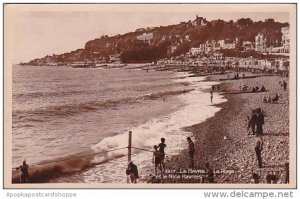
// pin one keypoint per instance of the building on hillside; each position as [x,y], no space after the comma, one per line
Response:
[145,37]
[187,37]
[115,58]
[285,39]
[196,51]
[221,43]
[140,30]
[199,21]
[260,43]
[229,46]
[247,46]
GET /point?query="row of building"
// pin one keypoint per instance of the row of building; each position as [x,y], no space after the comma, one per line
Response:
[271,65]
[259,45]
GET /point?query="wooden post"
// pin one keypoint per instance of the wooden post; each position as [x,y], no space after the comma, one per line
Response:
[129,151]
[129,145]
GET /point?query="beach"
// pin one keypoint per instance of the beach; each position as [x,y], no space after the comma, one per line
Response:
[222,140]
[219,129]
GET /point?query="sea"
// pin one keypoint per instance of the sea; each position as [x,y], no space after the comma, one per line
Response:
[73,119]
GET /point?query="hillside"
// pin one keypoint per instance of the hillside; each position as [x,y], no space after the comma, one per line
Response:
[153,43]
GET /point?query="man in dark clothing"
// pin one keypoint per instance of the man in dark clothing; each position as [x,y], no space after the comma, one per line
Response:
[284,85]
[256,89]
[24,172]
[253,121]
[276,98]
[191,151]
[272,177]
[157,158]
[260,120]
[258,149]
[132,172]
[162,147]
[287,173]
[210,173]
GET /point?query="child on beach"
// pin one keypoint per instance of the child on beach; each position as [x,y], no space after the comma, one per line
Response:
[132,172]
[211,96]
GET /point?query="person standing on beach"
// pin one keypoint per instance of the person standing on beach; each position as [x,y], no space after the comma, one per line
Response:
[287,172]
[191,151]
[253,121]
[157,158]
[162,147]
[284,85]
[258,149]
[248,124]
[132,172]
[24,172]
[260,120]
[211,96]
[210,173]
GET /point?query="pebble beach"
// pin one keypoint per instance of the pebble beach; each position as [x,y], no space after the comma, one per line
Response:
[223,140]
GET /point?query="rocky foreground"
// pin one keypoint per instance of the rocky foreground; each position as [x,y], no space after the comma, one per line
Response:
[223,142]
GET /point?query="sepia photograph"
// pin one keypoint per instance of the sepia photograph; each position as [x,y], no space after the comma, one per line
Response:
[149,95]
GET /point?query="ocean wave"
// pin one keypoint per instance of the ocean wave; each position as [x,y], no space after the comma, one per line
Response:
[41,94]
[44,114]
[30,95]
[43,171]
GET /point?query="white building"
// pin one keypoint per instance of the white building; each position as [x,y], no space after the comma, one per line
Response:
[229,46]
[260,43]
[247,45]
[146,37]
[196,51]
[221,43]
[285,39]
[199,21]
[115,58]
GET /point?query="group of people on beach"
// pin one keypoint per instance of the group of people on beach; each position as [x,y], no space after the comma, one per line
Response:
[257,90]
[276,97]
[254,89]
[159,161]
[273,177]
[284,84]
[256,122]
[271,100]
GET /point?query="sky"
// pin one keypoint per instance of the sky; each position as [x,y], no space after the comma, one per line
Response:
[36,33]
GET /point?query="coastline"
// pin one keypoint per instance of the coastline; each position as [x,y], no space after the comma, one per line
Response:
[236,152]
